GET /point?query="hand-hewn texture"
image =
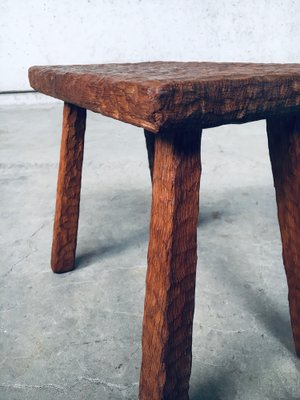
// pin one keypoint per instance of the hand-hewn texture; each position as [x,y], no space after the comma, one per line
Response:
[172,259]
[175,100]
[284,147]
[68,189]
[160,94]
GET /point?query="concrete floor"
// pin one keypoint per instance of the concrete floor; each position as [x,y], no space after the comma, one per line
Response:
[77,335]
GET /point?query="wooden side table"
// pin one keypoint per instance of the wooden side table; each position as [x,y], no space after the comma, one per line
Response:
[173,102]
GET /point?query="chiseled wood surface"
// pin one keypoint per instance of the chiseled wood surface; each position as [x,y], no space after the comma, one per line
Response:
[68,189]
[284,147]
[172,260]
[176,100]
[156,95]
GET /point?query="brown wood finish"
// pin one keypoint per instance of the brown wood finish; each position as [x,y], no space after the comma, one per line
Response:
[68,189]
[154,95]
[175,101]
[284,147]
[172,259]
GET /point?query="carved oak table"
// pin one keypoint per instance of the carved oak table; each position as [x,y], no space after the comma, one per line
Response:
[173,102]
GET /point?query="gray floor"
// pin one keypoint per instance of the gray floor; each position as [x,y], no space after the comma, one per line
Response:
[77,335]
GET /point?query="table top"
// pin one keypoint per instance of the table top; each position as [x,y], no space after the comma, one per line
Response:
[156,95]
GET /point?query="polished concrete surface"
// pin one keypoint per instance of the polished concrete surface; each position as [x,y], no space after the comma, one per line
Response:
[78,335]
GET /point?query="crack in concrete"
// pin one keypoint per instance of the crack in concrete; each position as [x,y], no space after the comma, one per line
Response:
[108,384]
[94,282]
[225,331]
[39,229]
[55,387]
[16,263]
[27,386]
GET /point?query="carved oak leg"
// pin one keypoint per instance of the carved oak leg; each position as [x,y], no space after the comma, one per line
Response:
[68,189]
[150,145]
[172,259]
[284,147]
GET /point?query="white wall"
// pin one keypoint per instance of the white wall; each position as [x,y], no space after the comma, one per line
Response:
[36,32]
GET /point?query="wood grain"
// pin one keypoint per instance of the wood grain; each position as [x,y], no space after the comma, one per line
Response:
[68,189]
[172,260]
[156,95]
[284,147]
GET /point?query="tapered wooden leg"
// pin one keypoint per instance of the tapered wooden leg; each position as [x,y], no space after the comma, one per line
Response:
[150,145]
[284,147]
[68,189]
[172,259]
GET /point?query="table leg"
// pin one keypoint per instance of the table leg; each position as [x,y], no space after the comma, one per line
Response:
[172,260]
[68,189]
[284,147]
